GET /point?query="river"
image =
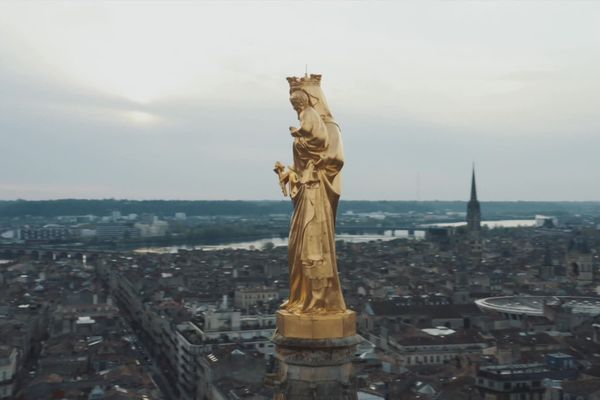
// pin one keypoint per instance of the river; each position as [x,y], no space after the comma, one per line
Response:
[278,242]
[418,234]
[505,223]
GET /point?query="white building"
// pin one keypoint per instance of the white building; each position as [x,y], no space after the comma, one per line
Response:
[246,297]
[235,326]
[435,348]
[216,328]
[155,229]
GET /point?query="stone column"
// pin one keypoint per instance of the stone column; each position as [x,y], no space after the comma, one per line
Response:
[315,369]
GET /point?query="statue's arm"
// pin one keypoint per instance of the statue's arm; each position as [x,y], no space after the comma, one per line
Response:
[307,124]
[307,121]
[295,132]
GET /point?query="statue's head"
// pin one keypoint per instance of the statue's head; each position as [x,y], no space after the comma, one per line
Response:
[310,86]
[299,100]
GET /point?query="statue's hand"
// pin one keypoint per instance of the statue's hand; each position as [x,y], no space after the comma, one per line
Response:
[295,132]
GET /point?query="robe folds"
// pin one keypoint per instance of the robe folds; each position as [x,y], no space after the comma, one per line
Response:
[318,160]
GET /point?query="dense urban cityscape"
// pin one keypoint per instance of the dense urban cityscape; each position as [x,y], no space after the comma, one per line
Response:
[299,200]
[460,312]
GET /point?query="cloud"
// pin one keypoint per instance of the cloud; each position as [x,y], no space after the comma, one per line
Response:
[41,191]
[189,100]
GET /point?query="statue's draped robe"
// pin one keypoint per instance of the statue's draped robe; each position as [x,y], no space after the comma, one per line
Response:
[314,281]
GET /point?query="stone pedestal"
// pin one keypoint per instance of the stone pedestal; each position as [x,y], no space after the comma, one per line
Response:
[314,369]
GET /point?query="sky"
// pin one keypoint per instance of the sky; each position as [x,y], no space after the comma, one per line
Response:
[188,100]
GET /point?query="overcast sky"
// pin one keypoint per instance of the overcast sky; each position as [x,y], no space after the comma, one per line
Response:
[189,100]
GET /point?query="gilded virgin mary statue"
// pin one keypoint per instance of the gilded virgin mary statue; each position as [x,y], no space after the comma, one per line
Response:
[314,187]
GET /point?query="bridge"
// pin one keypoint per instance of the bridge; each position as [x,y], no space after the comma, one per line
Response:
[375,229]
[399,232]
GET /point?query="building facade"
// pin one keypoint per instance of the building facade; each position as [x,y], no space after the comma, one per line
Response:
[8,368]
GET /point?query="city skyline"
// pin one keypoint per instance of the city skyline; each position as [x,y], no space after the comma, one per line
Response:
[189,101]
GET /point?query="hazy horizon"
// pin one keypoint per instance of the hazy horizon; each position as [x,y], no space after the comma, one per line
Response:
[149,100]
[287,199]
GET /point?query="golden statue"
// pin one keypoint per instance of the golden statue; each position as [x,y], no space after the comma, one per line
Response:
[314,187]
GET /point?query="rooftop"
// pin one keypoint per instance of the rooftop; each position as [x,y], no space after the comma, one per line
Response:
[534,305]
[514,369]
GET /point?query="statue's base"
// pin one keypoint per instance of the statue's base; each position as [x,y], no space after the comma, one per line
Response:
[315,368]
[316,326]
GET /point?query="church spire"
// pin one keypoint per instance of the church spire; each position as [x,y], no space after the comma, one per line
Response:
[473,186]
[474,223]
[473,209]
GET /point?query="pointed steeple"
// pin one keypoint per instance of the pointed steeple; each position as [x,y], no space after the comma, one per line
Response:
[473,186]
[473,209]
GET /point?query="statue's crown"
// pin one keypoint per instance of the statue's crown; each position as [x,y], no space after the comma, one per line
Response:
[306,80]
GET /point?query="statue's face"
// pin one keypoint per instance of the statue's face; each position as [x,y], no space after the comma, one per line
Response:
[299,100]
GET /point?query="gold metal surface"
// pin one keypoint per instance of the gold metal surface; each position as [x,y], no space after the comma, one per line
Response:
[316,326]
[316,307]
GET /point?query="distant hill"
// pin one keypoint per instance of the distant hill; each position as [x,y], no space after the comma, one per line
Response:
[490,210]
